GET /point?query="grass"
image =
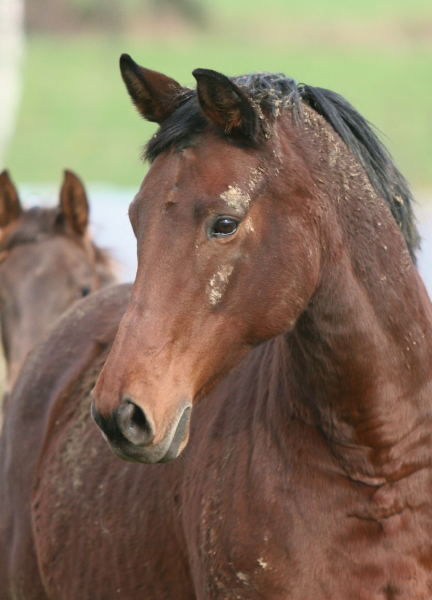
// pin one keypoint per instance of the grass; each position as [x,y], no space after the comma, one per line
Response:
[324,9]
[75,112]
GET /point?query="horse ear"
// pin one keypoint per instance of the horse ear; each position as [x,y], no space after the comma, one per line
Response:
[74,208]
[225,103]
[10,205]
[154,94]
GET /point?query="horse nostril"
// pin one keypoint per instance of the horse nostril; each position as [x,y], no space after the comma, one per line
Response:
[133,423]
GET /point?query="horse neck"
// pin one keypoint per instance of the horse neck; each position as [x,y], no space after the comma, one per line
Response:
[360,356]
[358,365]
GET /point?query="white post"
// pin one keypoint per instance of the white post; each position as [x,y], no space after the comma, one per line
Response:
[11,50]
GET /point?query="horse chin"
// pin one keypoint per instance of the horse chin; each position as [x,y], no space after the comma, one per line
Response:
[169,449]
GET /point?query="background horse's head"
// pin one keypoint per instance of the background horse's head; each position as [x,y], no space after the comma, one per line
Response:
[237,223]
[47,261]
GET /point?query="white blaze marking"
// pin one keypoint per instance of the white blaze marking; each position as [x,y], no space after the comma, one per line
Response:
[218,284]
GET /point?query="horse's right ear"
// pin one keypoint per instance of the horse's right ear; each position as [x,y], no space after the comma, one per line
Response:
[155,95]
[10,205]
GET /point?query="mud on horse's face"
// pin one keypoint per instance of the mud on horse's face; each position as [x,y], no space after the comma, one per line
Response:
[227,257]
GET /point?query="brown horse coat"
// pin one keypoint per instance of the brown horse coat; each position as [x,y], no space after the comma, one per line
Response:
[277,340]
[47,262]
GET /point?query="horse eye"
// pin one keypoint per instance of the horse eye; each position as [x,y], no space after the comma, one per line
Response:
[85,291]
[223,226]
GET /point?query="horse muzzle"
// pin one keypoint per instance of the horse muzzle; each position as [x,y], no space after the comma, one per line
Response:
[131,433]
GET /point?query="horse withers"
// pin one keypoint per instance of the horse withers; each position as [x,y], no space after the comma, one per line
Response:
[47,262]
[271,366]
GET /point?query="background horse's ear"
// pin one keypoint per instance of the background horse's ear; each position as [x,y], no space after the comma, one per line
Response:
[226,104]
[154,94]
[74,208]
[10,205]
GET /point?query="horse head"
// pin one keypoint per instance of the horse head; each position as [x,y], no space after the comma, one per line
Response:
[228,254]
[47,261]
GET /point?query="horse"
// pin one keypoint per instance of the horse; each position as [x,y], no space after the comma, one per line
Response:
[266,379]
[47,261]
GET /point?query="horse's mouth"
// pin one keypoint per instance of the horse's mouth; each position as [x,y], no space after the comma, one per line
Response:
[168,449]
[180,438]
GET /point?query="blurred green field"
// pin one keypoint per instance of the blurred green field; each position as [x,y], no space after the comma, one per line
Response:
[75,112]
[325,9]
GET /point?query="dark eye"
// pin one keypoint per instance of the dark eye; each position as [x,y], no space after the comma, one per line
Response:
[85,291]
[223,226]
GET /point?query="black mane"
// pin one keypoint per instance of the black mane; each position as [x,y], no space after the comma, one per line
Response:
[271,92]
[357,133]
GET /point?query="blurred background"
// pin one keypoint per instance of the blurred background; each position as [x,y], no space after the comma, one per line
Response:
[62,102]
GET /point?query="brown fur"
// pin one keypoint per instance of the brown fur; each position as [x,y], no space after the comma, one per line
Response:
[306,471]
[47,262]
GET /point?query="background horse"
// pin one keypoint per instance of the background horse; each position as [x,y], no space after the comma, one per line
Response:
[47,262]
[278,336]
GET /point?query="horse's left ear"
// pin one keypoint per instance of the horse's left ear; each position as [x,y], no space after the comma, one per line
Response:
[10,205]
[226,104]
[155,95]
[74,208]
